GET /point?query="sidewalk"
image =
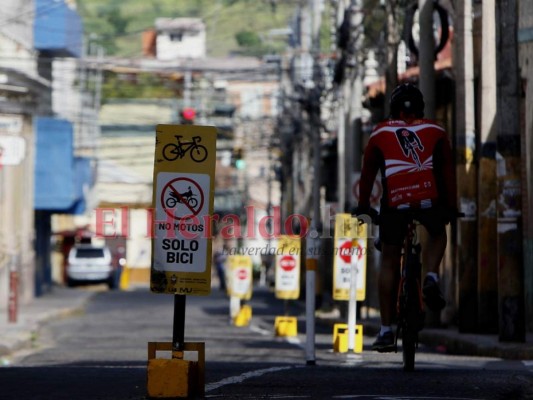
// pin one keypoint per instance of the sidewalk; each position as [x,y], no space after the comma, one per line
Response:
[59,303]
[451,341]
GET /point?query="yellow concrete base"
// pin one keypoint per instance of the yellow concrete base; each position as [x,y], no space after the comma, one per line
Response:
[340,338]
[286,326]
[175,377]
[171,378]
[244,316]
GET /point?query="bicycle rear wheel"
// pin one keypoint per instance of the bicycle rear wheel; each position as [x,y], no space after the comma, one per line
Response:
[171,152]
[410,337]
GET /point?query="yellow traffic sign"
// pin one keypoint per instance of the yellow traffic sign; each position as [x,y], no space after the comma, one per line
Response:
[184,172]
[288,267]
[350,251]
[240,274]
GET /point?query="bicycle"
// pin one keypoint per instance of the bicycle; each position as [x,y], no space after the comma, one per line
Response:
[409,305]
[173,151]
[410,311]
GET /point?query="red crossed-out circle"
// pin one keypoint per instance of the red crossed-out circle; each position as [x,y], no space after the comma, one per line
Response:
[186,209]
[287,263]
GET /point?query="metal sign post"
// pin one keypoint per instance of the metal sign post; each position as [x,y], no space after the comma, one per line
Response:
[178,330]
[313,250]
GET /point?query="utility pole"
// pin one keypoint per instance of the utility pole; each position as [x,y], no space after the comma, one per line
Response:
[487,283]
[426,56]
[315,6]
[466,259]
[509,179]
[392,42]
[342,180]
[526,68]
[354,136]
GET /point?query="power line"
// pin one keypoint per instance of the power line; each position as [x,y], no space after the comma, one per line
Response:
[34,12]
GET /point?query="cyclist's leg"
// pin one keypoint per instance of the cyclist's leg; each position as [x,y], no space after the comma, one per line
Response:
[387,281]
[391,231]
[437,239]
[433,222]
[391,247]
[437,244]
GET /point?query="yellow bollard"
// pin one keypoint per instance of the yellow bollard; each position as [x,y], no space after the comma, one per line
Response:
[175,377]
[340,338]
[244,316]
[286,326]
[124,282]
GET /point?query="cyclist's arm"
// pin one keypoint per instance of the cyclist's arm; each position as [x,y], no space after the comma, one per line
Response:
[371,165]
[448,171]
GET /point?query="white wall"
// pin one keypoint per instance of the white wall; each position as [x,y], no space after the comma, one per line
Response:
[191,45]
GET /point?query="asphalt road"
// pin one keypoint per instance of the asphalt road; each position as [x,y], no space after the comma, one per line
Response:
[102,354]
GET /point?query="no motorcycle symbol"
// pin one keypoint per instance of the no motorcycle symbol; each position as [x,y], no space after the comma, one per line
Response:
[182,198]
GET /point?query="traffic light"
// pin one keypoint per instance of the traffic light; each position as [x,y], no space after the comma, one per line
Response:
[237,158]
[187,116]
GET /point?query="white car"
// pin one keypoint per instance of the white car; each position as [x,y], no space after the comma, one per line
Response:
[90,264]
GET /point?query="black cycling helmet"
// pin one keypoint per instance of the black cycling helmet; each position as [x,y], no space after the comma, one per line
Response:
[407,98]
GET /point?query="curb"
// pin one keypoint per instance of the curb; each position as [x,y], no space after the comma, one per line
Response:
[450,341]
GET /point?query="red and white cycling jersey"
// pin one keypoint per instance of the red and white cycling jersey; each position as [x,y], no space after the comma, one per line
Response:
[405,154]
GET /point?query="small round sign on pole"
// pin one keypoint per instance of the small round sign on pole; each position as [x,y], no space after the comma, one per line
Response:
[287,263]
[288,268]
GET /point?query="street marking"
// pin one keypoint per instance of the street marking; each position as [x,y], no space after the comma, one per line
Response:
[291,340]
[295,341]
[404,397]
[242,377]
[261,331]
[353,359]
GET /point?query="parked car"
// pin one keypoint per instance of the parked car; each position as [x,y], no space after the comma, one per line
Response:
[88,264]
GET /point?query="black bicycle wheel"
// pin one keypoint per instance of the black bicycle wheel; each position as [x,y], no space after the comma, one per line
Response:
[199,153]
[410,337]
[170,152]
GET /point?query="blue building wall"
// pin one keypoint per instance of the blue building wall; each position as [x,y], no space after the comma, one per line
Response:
[60,178]
[57,29]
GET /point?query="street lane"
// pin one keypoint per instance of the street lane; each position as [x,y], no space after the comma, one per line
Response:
[101,354]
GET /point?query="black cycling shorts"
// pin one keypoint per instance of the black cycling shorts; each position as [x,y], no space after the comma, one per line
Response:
[393,223]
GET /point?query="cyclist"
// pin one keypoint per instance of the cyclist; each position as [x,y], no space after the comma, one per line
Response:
[414,157]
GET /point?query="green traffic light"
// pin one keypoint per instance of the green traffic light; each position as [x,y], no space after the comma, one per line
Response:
[240,164]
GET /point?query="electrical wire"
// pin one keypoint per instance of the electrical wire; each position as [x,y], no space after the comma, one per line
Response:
[24,18]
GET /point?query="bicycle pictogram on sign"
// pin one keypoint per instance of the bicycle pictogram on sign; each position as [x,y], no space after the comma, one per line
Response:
[182,197]
[173,151]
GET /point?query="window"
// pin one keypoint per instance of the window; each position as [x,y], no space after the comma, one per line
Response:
[90,253]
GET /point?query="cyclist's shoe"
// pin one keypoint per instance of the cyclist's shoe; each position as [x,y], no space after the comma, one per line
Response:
[432,294]
[384,343]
